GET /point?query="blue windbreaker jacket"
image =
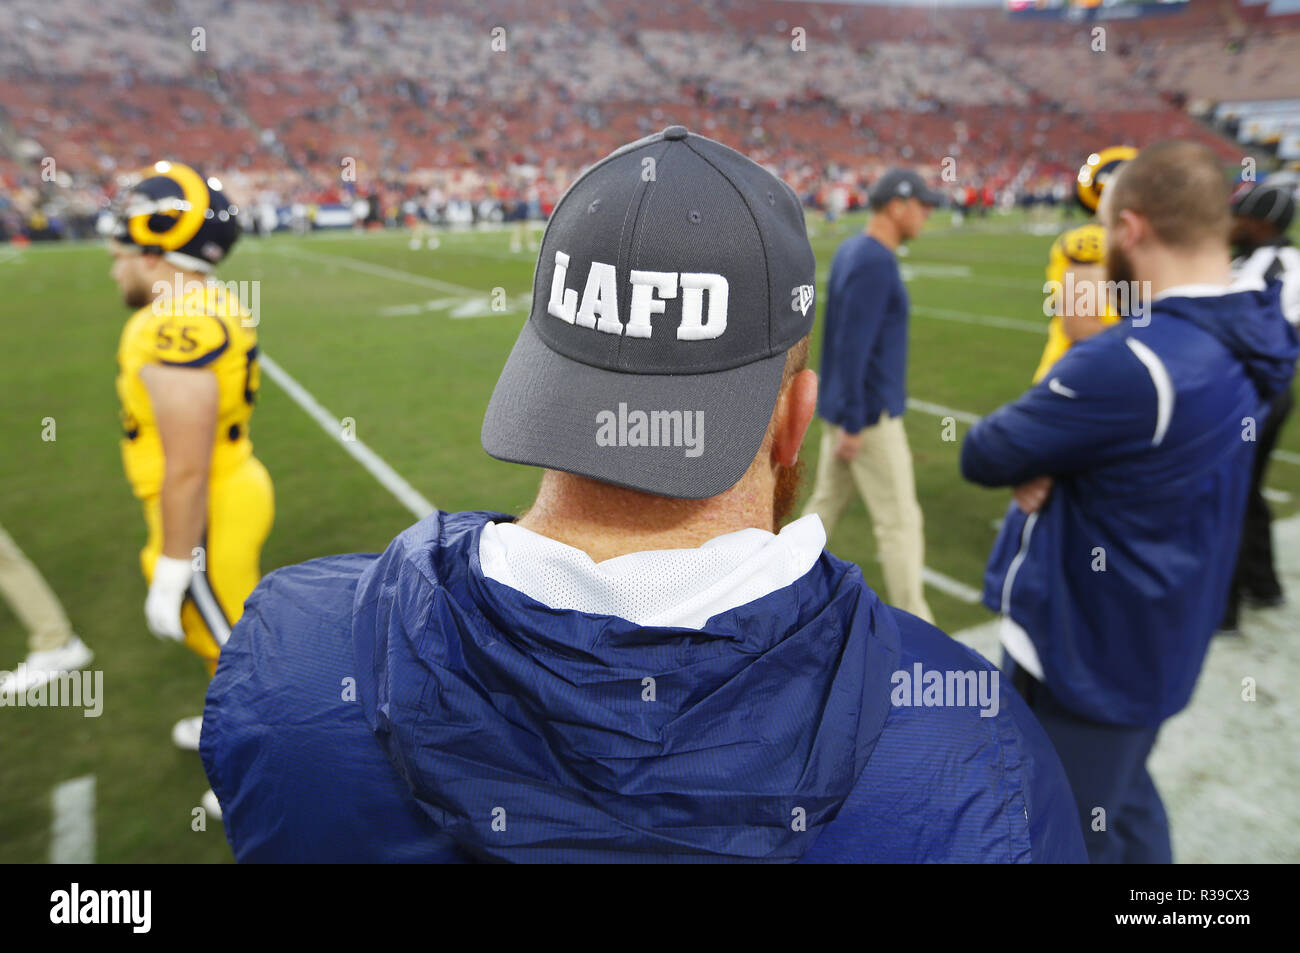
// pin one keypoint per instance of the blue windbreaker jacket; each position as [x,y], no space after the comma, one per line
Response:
[1122,577]
[404,707]
[863,370]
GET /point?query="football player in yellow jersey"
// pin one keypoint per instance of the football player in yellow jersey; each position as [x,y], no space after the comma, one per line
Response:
[1078,259]
[187,380]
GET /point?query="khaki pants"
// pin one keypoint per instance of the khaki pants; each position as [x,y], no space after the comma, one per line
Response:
[882,473]
[36,607]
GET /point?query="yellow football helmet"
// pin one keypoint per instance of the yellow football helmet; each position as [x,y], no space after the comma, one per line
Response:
[171,210]
[1085,245]
[1097,171]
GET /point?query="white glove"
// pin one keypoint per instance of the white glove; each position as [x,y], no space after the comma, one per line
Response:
[162,609]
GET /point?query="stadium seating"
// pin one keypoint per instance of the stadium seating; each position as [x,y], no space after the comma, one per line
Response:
[276,95]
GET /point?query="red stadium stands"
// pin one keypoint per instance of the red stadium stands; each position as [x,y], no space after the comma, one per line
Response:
[417,91]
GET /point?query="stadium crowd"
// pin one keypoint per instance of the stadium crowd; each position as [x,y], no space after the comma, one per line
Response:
[418,109]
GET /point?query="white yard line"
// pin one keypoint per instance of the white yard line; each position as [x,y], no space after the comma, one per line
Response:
[946,584]
[73,828]
[389,478]
[913,270]
[459,309]
[986,320]
[382,271]
[938,410]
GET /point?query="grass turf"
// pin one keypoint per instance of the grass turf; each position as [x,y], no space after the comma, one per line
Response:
[401,341]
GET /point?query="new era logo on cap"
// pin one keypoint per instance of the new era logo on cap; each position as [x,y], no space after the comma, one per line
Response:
[681,291]
[801,299]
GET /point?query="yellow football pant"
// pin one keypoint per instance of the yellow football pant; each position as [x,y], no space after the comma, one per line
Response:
[241,509]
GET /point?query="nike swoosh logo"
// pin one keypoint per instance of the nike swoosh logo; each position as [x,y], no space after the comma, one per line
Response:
[1056,387]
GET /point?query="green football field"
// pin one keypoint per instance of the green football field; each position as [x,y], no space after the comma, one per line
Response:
[405,343]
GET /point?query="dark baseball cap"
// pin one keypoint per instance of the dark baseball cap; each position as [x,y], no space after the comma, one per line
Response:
[1272,202]
[673,277]
[902,184]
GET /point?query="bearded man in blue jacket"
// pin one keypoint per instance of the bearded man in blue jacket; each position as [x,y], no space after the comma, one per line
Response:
[1131,464]
[640,668]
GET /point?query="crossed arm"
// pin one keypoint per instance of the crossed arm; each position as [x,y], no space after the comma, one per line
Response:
[1096,399]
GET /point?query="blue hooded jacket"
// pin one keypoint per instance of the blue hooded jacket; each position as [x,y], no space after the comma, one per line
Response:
[863,370]
[1122,577]
[404,707]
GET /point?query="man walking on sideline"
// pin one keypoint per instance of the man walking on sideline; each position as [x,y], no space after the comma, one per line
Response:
[1131,464]
[863,388]
[645,666]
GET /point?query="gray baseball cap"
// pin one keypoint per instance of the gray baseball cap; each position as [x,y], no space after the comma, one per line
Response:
[1272,202]
[673,277]
[902,184]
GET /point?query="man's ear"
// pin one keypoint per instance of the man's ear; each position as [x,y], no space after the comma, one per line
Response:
[1134,228]
[795,412]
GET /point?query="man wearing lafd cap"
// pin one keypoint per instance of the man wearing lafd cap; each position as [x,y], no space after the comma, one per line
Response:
[864,392]
[644,666]
[187,378]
